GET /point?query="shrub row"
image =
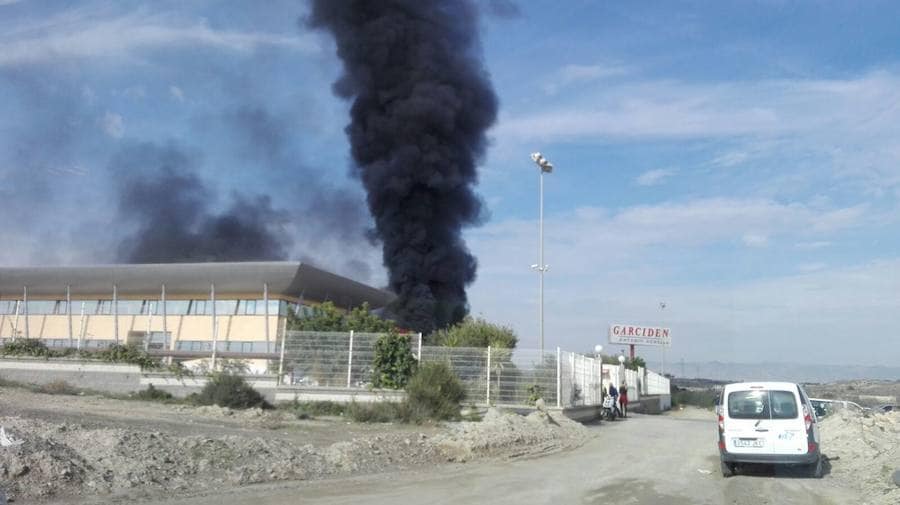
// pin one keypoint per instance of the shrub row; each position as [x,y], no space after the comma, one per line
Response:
[114,354]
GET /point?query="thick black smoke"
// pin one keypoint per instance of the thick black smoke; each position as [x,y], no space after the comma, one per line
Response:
[422,102]
[159,191]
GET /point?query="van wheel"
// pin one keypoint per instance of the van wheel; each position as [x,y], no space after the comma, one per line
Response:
[817,469]
[727,469]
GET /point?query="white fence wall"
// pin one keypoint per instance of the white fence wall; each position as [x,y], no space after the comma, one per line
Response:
[491,376]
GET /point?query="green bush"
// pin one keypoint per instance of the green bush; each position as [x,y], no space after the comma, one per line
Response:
[434,392]
[227,390]
[309,410]
[394,363]
[535,392]
[153,394]
[705,398]
[126,354]
[375,412]
[26,347]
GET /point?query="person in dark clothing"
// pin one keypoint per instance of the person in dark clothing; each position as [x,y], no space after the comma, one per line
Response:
[614,394]
[623,399]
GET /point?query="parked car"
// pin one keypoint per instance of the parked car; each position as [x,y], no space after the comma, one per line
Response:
[768,422]
[824,407]
[887,408]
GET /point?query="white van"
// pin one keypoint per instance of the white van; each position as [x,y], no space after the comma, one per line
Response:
[767,422]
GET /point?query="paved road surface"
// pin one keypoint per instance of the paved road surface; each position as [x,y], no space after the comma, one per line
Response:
[642,460]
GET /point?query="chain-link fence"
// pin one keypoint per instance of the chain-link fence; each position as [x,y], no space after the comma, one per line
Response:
[493,376]
[332,359]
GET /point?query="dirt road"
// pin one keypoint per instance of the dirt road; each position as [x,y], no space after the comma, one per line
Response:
[642,460]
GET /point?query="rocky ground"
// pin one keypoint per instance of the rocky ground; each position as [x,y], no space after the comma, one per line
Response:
[87,446]
[864,452]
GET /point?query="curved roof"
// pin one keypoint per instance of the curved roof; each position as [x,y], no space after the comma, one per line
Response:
[292,279]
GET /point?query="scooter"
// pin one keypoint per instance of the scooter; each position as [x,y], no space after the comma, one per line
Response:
[609,411]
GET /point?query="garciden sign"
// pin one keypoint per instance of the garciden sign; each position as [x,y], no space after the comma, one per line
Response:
[640,335]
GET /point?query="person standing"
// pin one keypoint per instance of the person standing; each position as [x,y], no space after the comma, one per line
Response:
[623,399]
[614,394]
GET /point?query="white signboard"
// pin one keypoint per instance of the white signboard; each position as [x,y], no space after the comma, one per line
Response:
[639,335]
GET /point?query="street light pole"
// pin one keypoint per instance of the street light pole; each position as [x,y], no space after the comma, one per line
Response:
[545,167]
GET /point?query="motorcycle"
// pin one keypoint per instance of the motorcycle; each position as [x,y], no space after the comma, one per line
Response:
[609,411]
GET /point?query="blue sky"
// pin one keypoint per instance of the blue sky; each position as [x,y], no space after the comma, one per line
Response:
[735,160]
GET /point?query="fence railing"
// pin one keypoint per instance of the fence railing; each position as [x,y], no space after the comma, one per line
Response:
[491,376]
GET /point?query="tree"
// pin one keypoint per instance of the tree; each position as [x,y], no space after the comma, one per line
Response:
[637,362]
[363,320]
[476,332]
[327,317]
[394,363]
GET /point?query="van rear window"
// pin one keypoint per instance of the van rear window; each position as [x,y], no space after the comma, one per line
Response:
[762,405]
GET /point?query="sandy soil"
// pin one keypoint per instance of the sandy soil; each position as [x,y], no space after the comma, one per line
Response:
[82,449]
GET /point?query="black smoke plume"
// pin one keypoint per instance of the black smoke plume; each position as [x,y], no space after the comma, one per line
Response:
[159,191]
[422,102]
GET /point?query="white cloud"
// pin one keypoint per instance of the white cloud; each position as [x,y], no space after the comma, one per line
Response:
[574,74]
[654,177]
[692,110]
[176,93]
[76,35]
[576,239]
[755,240]
[113,125]
[818,244]
[613,266]
[730,159]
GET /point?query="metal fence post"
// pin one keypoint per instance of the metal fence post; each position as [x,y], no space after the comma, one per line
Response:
[281,359]
[350,359]
[488,397]
[419,352]
[558,379]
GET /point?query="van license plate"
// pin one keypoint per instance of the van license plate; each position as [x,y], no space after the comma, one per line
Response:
[749,442]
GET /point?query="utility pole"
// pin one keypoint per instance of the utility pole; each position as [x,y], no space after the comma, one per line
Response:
[545,167]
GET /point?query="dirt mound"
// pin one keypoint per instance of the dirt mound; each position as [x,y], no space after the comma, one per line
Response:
[864,452]
[76,459]
[500,433]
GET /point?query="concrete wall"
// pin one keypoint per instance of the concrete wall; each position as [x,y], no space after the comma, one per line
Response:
[289,394]
[106,377]
[652,404]
[124,379]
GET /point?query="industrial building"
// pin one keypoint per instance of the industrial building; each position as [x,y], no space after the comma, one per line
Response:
[236,307]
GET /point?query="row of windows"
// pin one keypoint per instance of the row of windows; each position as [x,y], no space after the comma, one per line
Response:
[184,345]
[146,307]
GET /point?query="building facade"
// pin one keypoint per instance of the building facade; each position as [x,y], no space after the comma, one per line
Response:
[234,307]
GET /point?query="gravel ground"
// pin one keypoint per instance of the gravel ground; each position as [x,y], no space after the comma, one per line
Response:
[864,452]
[113,452]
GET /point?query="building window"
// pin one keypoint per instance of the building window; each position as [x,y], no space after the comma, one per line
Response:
[9,306]
[41,307]
[197,308]
[177,307]
[226,307]
[104,307]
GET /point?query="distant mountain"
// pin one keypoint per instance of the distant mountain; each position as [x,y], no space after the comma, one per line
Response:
[791,372]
